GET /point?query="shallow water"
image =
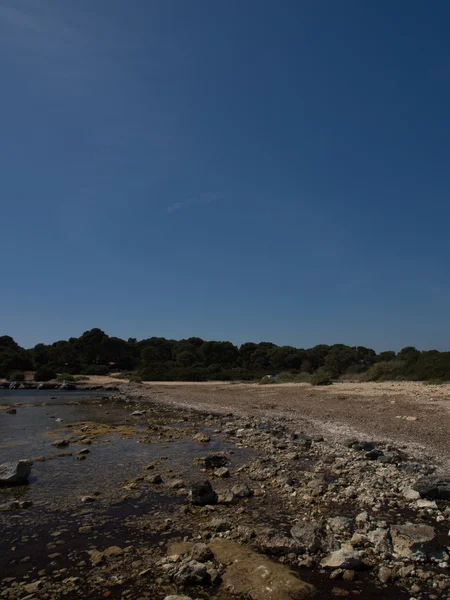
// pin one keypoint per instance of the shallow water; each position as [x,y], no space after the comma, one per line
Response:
[112,460]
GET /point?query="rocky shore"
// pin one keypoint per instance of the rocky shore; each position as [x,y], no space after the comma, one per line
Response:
[265,511]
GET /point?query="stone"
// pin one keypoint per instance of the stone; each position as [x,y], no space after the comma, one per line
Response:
[97,557]
[277,544]
[83,451]
[15,472]
[424,503]
[256,577]
[201,552]
[192,572]
[138,413]
[202,493]
[87,499]
[342,559]
[113,551]
[410,538]
[176,484]
[155,479]
[215,461]
[242,491]
[11,411]
[60,443]
[341,524]
[222,472]
[434,487]
[384,574]
[201,438]
[410,494]
[308,535]
[379,538]
[220,525]
[172,597]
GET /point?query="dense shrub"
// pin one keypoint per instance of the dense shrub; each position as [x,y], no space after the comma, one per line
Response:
[321,377]
[17,376]
[134,379]
[96,370]
[65,377]
[44,373]
[382,371]
[267,379]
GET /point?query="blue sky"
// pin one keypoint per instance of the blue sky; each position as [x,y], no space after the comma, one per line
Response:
[242,170]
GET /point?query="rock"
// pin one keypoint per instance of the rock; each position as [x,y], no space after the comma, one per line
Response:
[342,559]
[220,525]
[379,538]
[201,552]
[410,538]
[308,534]
[222,472]
[242,491]
[202,493]
[86,499]
[341,524]
[277,544]
[423,503]
[201,438]
[257,577]
[384,574]
[81,457]
[176,484]
[11,411]
[215,461]
[60,443]
[138,413]
[410,494]
[172,597]
[192,572]
[15,472]
[373,454]
[96,557]
[155,479]
[434,487]
[113,551]
[84,451]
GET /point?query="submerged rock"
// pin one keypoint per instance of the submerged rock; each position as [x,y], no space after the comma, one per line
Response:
[251,574]
[215,461]
[14,473]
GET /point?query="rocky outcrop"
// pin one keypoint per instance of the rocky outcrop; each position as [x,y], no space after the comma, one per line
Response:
[15,473]
[257,577]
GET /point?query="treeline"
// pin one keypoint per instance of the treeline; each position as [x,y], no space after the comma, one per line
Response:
[194,359]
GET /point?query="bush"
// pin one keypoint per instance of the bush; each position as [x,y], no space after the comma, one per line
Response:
[267,379]
[321,377]
[382,371]
[44,373]
[65,377]
[96,370]
[134,379]
[17,376]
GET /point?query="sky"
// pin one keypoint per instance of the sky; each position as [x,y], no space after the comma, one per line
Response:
[243,170]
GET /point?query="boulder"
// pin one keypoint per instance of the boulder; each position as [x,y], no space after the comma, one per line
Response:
[222,472]
[308,535]
[256,577]
[11,411]
[15,473]
[434,487]
[202,493]
[410,538]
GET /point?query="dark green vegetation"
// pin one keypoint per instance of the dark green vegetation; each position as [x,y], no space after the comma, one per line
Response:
[160,359]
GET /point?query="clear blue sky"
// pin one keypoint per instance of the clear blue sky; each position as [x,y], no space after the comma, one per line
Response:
[243,170]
